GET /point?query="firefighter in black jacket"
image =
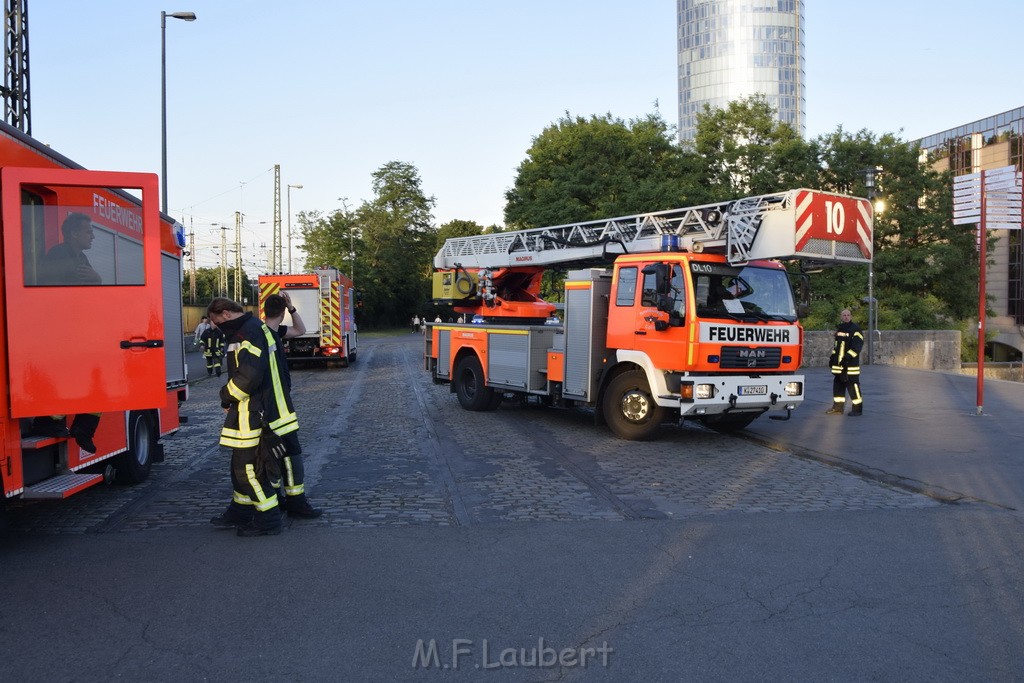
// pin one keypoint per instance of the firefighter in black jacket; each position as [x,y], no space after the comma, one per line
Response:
[845,364]
[254,506]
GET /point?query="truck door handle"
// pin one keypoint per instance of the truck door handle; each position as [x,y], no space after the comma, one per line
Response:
[640,332]
[148,344]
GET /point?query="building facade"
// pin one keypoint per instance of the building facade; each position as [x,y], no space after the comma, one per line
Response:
[730,49]
[990,143]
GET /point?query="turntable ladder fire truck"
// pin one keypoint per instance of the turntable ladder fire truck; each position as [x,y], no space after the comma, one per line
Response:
[109,344]
[680,314]
[326,300]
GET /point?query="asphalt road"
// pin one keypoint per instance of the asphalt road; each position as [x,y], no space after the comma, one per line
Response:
[525,544]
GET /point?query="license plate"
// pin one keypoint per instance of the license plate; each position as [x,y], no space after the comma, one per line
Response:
[754,390]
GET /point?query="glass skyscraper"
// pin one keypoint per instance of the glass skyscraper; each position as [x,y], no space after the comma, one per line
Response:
[730,49]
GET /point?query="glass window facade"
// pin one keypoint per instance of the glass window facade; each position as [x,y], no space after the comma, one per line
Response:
[964,149]
[730,49]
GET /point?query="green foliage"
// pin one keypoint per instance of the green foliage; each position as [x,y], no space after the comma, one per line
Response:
[456,228]
[744,150]
[398,246]
[585,169]
[208,286]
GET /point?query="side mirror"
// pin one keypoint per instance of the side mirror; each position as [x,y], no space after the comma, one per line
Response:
[661,273]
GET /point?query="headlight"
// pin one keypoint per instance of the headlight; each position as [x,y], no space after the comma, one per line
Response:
[705,391]
[794,388]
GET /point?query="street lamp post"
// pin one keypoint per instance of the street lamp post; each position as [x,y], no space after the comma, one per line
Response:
[184,16]
[289,208]
[871,187]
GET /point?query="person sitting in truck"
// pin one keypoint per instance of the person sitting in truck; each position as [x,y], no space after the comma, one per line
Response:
[66,263]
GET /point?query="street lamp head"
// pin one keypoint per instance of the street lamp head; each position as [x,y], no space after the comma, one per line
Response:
[184,16]
[297,187]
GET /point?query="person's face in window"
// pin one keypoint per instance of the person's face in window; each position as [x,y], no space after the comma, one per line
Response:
[81,238]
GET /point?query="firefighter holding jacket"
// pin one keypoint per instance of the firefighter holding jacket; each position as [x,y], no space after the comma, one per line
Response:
[845,364]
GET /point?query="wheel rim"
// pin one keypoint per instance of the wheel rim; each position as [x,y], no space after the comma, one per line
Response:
[635,406]
[142,441]
[469,384]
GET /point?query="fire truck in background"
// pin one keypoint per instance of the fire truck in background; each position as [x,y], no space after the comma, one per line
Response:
[690,316]
[326,302]
[114,348]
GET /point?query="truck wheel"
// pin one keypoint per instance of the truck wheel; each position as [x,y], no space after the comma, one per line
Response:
[469,385]
[726,424]
[133,465]
[630,408]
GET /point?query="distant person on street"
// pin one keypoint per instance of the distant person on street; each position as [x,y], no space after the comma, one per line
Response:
[845,364]
[203,326]
[254,508]
[415,323]
[212,343]
[281,413]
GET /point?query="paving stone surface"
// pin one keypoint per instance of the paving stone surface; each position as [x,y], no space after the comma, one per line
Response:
[384,446]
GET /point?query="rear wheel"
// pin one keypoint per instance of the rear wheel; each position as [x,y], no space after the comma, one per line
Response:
[134,464]
[630,409]
[469,385]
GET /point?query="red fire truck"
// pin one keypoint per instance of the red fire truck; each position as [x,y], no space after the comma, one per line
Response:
[326,302]
[115,348]
[690,315]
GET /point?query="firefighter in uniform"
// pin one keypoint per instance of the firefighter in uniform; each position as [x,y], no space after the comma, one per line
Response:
[845,364]
[284,421]
[212,341]
[254,509]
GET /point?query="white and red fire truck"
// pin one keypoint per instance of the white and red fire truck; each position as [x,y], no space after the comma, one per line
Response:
[114,348]
[694,318]
[326,302]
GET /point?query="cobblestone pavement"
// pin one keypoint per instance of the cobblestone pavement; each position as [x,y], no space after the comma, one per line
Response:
[384,446]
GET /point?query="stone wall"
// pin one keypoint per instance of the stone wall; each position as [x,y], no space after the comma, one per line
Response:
[922,349]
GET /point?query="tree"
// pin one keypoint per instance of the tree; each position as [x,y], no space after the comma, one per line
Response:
[586,169]
[925,268]
[398,245]
[745,150]
[330,239]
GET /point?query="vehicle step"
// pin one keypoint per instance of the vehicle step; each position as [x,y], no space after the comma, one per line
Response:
[32,443]
[62,486]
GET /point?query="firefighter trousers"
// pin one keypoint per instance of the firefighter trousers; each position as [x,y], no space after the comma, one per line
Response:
[253,494]
[213,361]
[846,382]
[293,473]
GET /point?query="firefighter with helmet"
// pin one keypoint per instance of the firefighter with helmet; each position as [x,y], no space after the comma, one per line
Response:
[212,342]
[845,364]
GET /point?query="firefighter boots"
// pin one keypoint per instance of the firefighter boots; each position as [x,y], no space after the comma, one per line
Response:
[858,409]
[836,409]
[83,428]
[231,518]
[262,524]
[49,426]
[298,506]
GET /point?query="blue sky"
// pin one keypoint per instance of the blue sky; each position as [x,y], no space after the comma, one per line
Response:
[333,89]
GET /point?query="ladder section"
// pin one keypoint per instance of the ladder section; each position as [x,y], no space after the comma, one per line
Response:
[797,224]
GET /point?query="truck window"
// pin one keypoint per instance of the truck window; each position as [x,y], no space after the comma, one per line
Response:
[678,292]
[67,246]
[625,295]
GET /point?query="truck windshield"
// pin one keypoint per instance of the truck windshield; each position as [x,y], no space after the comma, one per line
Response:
[750,292]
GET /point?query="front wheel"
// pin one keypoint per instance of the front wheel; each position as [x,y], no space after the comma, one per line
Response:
[469,385]
[630,409]
[133,465]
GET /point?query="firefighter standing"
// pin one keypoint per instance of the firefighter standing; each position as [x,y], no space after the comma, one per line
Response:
[281,415]
[212,342]
[845,364]
[254,506]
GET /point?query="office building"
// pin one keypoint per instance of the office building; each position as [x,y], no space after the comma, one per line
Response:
[730,49]
[989,143]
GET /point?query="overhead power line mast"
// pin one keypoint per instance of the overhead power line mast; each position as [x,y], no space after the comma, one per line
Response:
[17,111]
